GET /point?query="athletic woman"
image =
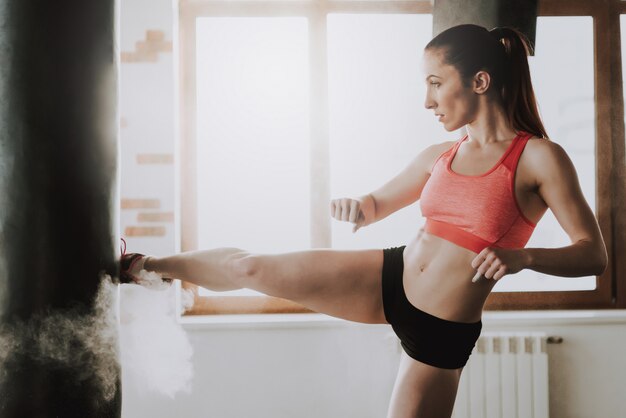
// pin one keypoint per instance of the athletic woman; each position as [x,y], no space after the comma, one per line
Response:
[481,195]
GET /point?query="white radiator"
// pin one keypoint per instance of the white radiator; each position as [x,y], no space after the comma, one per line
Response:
[506,377]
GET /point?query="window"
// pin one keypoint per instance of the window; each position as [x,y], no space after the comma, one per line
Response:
[252,144]
[257,122]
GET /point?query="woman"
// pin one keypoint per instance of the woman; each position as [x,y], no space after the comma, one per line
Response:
[482,197]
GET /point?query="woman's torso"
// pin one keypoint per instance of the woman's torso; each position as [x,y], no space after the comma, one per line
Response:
[438,273]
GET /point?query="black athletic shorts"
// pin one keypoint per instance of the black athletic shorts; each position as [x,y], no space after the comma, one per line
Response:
[424,337]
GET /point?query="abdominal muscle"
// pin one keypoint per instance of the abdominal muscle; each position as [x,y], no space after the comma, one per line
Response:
[438,279]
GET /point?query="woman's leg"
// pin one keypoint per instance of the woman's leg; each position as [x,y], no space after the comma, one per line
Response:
[423,391]
[214,269]
[341,283]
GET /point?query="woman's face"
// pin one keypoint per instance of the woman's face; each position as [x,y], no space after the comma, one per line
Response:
[445,93]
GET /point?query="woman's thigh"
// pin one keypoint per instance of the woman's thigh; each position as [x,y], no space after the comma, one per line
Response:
[341,283]
[423,391]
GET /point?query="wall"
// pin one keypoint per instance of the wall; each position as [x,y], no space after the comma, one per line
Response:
[328,368]
[315,368]
[147,126]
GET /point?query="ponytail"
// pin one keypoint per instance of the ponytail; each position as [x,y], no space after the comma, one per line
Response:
[502,52]
[518,96]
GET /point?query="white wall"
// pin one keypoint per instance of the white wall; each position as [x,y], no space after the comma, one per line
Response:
[327,368]
[320,368]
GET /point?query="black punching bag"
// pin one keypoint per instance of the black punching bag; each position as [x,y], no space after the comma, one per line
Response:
[58,209]
[520,14]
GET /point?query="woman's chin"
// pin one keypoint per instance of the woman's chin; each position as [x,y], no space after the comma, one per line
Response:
[451,128]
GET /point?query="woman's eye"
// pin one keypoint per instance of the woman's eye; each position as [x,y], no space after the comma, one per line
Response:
[435,84]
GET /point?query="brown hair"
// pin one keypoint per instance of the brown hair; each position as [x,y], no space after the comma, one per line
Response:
[502,52]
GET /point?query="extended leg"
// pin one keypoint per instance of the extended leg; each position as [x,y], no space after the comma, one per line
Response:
[341,283]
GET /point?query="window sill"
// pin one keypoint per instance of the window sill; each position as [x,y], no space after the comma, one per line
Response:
[490,318]
[259,321]
[556,317]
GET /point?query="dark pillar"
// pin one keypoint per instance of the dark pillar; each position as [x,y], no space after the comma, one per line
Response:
[520,14]
[58,208]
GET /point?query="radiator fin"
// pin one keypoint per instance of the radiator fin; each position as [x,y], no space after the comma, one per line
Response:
[507,376]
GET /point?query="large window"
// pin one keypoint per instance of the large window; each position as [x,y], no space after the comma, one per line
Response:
[285,106]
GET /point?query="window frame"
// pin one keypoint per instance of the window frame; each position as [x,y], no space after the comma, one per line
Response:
[610,145]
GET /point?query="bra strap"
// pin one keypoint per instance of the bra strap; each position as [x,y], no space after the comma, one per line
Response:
[512,159]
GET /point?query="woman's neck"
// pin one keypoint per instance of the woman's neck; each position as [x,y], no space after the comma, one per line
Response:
[490,126]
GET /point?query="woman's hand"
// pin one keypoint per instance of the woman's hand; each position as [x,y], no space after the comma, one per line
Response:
[494,263]
[359,211]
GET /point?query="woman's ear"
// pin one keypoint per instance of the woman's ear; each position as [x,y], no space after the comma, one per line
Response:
[481,82]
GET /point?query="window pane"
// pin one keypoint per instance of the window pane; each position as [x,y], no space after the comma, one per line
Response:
[378,122]
[563,81]
[253,134]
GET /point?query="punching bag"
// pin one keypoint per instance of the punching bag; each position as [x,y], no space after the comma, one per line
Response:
[58,209]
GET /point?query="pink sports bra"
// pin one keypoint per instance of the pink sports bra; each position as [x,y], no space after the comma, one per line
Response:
[476,212]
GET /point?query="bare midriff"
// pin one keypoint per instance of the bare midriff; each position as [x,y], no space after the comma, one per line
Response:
[438,279]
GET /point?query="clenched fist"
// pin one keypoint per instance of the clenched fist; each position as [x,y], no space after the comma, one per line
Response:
[359,211]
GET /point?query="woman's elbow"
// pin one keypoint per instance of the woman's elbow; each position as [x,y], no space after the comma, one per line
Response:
[596,259]
[602,263]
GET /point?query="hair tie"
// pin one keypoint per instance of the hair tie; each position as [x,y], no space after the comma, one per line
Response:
[497,33]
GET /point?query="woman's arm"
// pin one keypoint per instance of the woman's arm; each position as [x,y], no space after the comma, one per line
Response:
[560,189]
[557,184]
[406,187]
[570,261]
[402,190]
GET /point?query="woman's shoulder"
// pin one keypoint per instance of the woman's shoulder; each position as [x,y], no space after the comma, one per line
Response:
[438,149]
[543,150]
[431,154]
[441,147]
[546,156]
